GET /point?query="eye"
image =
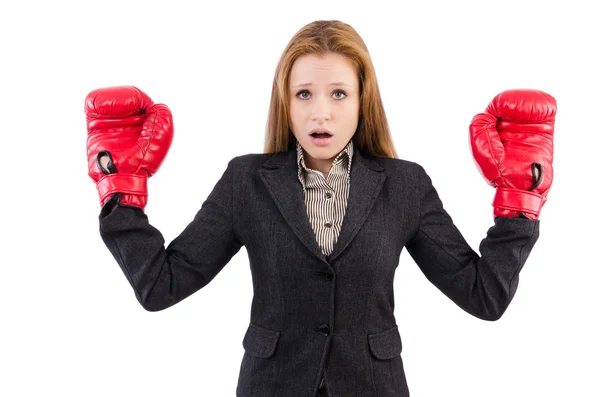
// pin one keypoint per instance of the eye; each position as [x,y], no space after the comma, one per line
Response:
[335,92]
[341,92]
[300,93]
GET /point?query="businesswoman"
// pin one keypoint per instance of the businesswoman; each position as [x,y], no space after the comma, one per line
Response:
[324,214]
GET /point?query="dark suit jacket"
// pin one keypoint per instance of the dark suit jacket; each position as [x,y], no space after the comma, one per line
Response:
[311,313]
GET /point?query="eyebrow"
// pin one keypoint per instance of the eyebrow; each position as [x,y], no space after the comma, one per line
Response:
[339,83]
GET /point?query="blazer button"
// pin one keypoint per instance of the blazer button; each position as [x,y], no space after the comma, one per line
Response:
[328,276]
[323,328]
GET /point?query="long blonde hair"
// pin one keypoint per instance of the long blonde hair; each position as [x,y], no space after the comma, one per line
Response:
[372,136]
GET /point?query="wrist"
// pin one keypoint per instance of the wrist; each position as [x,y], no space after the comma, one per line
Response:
[132,187]
[510,202]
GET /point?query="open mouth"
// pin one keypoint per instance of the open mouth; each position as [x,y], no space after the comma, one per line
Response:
[320,135]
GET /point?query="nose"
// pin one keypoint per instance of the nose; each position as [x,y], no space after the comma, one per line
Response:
[321,110]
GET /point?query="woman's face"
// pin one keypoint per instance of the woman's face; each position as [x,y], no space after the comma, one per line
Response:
[317,101]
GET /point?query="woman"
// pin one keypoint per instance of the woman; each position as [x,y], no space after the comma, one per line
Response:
[324,214]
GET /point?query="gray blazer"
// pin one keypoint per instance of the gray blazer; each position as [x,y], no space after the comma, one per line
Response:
[312,313]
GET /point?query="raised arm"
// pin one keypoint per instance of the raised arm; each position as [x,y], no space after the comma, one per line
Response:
[128,138]
[481,285]
[512,144]
[162,277]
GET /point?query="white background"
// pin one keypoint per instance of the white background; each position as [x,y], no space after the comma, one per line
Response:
[70,324]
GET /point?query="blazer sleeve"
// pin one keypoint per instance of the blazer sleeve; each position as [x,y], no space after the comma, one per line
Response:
[162,277]
[482,285]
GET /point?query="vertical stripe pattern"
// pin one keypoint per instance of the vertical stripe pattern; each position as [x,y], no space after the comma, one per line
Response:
[326,198]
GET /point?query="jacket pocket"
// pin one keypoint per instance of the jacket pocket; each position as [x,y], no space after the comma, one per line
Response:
[260,342]
[387,369]
[387,344]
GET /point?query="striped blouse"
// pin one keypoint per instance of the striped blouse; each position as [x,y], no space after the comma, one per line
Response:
[326,199]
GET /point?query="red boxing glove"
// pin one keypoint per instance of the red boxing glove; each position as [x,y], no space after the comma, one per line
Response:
[512,143]
[124,124]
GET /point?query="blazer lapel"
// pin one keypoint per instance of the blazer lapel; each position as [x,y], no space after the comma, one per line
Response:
[280,176]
